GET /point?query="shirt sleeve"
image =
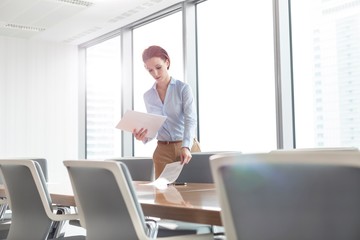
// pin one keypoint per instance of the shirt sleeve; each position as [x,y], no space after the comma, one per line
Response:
[190,117]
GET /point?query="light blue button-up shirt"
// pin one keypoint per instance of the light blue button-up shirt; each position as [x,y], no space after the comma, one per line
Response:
[179,107]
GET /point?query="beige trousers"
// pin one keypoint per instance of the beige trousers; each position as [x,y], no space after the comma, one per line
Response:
[168,153]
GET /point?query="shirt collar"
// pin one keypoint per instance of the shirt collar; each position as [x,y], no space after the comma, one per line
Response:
[172,81]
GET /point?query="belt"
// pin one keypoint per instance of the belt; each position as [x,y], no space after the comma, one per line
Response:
[169,142]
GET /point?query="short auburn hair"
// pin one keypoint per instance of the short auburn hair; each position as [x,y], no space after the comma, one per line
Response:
[155,51]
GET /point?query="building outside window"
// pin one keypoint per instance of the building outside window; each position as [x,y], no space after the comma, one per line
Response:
[326,56]
[103,99]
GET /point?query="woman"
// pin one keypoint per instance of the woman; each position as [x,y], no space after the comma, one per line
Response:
[174,99]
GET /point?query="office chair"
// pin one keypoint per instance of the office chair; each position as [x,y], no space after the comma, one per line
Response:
[107,203]
[315,149]
[309,195]
[5,212]
[33,213]
[198,169]
[140,168]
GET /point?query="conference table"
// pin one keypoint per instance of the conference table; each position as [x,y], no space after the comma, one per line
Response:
[193,202]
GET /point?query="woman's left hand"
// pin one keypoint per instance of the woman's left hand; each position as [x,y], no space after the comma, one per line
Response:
[185,155]
[141,134]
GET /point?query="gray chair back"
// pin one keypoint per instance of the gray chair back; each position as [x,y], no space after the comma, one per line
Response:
[5,215]
[44,167]
[140,168]
[198,170]
[101,201]
[29,219]
[43,164]
[315,149]
[271,196]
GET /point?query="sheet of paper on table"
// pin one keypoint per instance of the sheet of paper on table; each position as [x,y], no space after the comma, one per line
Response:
[169,175]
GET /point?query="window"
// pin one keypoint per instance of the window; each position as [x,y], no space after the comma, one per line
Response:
[236,76]
[326,48]
[103,99]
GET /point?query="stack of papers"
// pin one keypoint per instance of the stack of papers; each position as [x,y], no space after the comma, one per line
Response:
[137,120]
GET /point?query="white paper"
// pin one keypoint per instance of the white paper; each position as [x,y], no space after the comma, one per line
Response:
[171,171]
[136,120]
[169,175]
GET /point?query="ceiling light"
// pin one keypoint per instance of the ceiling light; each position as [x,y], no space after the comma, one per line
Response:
[77,2]
[25,28]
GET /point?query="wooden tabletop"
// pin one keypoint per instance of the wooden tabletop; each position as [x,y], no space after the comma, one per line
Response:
[194,202]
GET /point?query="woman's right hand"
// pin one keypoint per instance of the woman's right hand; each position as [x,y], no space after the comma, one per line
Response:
[141,134]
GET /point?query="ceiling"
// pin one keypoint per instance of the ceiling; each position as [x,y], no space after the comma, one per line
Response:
[71,21]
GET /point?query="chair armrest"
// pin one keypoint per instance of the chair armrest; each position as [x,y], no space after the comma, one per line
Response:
[63,217]
[190,236]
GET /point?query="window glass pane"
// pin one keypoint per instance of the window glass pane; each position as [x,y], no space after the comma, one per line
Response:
[103,99]
[236,75]
[326,53]
[167,33]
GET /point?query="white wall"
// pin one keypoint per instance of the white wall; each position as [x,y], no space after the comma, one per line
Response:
[39,102]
